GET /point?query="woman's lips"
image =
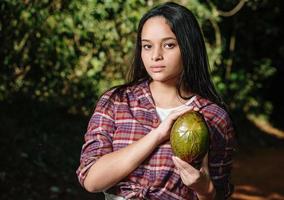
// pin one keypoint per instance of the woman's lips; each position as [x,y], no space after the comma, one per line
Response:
[157,69]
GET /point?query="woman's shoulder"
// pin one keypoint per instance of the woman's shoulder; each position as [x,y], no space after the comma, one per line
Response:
[106,97]
[213,113]
[206,105]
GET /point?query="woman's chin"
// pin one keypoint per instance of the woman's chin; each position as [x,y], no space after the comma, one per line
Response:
[164,79]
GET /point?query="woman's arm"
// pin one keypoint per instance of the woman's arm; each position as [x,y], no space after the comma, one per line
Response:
[113,167]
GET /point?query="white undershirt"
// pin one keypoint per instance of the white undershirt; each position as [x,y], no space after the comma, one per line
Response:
[164,112]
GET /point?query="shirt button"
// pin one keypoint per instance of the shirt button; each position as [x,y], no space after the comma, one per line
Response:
[155,123]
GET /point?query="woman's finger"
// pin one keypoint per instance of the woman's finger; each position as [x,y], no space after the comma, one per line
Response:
[196,109]
[182,109]
[204,164]
[176,113]
[187,177]
[182,165]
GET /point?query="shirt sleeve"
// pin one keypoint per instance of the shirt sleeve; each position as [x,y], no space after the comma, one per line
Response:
[98,140]
[222,146]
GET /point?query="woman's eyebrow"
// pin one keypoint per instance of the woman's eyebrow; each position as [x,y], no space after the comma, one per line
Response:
[163,39]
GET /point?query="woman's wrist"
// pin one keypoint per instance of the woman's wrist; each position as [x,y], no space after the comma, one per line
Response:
[156,136]
[208,194]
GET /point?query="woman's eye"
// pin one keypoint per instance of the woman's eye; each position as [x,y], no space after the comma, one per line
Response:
[169,45]
[147,46]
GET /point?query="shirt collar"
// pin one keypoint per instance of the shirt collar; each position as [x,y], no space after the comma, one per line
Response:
[143,94]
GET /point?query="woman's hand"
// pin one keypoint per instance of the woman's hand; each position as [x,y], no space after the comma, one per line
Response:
[164,128]
[197,180]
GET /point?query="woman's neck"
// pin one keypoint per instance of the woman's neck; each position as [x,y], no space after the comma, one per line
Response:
[166,95]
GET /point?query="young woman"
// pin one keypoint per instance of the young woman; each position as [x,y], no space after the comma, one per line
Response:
[127,154]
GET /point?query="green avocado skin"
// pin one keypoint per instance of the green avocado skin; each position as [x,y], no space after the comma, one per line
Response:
[189,136]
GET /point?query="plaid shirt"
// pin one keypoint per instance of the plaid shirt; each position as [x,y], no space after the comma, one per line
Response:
[119,121]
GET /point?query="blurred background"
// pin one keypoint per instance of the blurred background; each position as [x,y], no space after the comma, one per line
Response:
[58,56]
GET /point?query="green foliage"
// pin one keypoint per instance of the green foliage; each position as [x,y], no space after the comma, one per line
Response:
[70,52]
[246,85]
[66,53]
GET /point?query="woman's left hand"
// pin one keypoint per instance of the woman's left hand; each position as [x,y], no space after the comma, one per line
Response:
[197,180]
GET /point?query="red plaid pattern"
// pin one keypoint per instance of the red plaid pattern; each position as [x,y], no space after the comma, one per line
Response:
[119,121]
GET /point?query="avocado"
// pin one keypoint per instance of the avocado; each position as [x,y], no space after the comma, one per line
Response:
[189,136]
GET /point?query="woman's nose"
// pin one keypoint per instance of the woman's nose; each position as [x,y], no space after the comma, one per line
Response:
[157,54]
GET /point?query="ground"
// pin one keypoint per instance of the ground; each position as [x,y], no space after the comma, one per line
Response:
[258,174]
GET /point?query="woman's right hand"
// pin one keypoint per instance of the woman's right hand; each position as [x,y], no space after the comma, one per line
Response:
[164,128]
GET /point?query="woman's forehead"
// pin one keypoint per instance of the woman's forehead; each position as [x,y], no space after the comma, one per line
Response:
[157,28]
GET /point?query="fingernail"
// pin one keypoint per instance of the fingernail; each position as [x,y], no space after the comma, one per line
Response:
[176,158]
[196,109]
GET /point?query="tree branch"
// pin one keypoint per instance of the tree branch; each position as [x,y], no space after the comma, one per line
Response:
[232,12]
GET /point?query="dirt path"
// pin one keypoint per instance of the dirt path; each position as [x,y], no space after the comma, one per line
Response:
[259,175]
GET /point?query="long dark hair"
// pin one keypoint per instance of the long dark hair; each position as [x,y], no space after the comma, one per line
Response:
[195,75]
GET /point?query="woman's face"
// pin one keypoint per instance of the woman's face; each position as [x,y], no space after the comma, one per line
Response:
[160,51]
